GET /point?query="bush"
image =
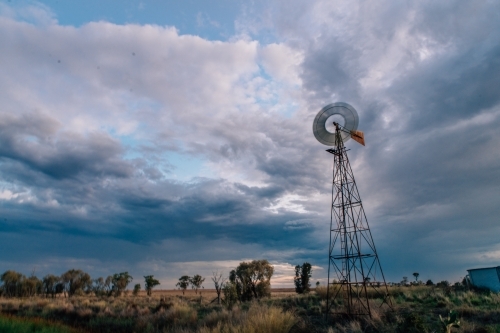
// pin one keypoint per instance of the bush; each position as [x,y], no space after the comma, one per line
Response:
[230,294]
[137,288]
[411,323]
[443,284]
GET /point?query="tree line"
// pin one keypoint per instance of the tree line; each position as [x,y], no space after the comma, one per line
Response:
[74,282]
[250,280]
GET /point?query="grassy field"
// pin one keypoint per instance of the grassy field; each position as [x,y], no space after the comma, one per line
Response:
[415,309]
[11,324]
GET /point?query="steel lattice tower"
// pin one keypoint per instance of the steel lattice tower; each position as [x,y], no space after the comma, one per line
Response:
[354,269]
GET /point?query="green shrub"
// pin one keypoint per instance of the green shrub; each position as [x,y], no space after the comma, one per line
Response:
[411,323]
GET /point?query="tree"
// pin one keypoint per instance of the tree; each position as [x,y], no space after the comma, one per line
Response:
[120,282]
[196,282]
[137,288]
[108,285]
[76,282]
[252,279]
[317,284]
[429,283]
[12,282]
[405,281]
[98,286]
[416,276]
[49,283]
[219,284]
[302,277]
[149,283]
[183,283]
[31,286]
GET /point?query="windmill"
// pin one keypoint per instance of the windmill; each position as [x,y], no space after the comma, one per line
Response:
[354,269]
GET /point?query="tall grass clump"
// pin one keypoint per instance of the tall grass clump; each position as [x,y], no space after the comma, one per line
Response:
[258,319]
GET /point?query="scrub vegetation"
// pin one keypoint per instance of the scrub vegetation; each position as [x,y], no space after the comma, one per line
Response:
[247,304]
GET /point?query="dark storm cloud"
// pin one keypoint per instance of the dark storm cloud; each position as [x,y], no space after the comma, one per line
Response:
[32,140]
[454,87]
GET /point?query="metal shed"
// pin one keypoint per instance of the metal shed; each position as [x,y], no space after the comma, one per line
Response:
[485,277]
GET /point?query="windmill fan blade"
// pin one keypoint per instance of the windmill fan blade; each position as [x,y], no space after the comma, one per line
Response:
[358,136]
[348,123]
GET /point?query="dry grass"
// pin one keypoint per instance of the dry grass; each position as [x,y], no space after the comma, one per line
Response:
[258,319]
[285,311]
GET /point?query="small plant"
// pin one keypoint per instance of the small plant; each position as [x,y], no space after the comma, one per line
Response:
[450,321]
[411,323]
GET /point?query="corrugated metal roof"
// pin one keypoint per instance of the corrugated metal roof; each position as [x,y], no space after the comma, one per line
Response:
[488,277]
[475,269]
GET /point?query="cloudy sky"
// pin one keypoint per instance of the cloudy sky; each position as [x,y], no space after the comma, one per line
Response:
[172,138]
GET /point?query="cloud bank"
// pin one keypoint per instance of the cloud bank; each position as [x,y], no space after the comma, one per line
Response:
[134,147]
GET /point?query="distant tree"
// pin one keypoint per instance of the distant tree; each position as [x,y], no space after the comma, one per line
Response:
[429,283]
[443,284]
[108,285]
[31,286]
[76,282]
[12,282]
[49,283]
[218,281]
[416,276]
[183,283]
[405,281]
[196,282]
[98,286]
[317,284]
[120,282]
[137,288]
[302,277]
[252,279]
[149,283]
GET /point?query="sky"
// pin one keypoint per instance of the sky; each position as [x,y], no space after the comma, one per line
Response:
[173,138]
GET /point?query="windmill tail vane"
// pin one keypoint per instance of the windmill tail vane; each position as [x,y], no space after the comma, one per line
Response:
[357,136]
